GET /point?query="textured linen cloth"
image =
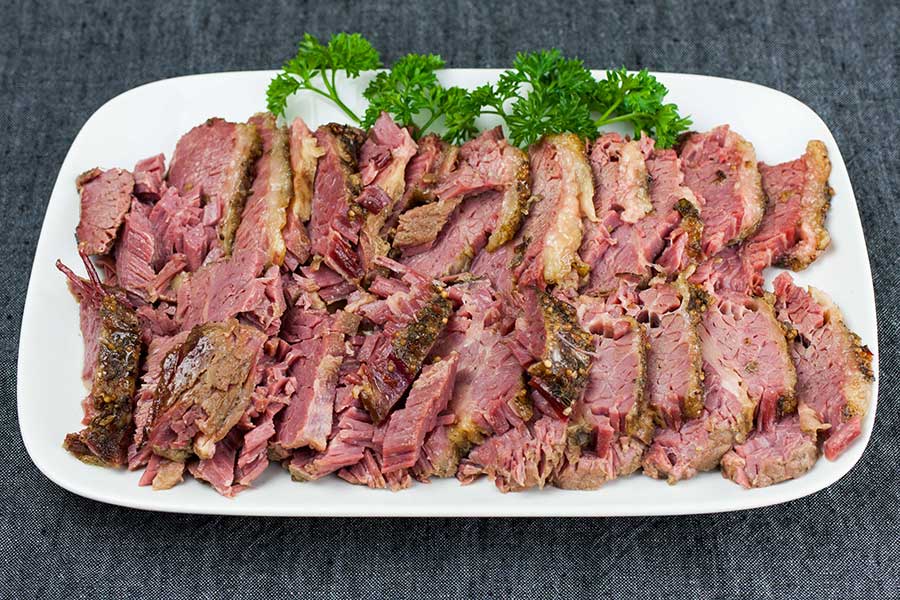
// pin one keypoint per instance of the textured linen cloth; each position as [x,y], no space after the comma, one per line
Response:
[60,61]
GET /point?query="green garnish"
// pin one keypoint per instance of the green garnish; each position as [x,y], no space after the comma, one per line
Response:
[315,67]
[544,92]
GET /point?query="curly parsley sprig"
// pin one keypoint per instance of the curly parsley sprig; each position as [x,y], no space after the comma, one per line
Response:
[544,92]
[315,68]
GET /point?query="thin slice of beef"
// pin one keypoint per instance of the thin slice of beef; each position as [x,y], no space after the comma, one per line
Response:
[563,192]
[230,287]
[353,431]
[611,421]
[554,348]
[383,159]
[489,395]
[204,387]
[135,250]
[109,427]
[523,457]
[792,233]
[671,314]
[178,228]
[433,161]
[105,200]
[336,218]
[666,239]
[145,404]
[265,210]
[419,227]
[317,352]
[747,370]
[218,470]
[149,175]
[417,310]
[768,457]
[489,190]
[720,167]
[620,176]
[408,426]
[304,156]
[216,160]
[89,294]
[305,153]
[834,368]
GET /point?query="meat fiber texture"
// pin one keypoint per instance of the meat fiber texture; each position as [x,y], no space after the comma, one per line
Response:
[648,218]
[792,233]
[720,167]
[480,204]
[556,317]
[215,160]
[747,372]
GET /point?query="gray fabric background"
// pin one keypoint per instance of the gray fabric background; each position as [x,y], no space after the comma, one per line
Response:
[60,61]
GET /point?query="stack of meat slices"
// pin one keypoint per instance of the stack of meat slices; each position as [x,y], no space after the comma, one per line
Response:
[391,310]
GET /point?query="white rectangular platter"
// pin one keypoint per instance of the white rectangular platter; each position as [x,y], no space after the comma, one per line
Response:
[150,119]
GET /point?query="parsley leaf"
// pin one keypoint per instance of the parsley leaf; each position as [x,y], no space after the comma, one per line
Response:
[639,99]
[315,67]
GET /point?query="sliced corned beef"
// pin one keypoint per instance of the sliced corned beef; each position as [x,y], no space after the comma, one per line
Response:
[204,387]
[461,238]
[336,218]
[834,368]
[523,457]
[178,228]
[89,294]
[415,316]
[767,457]
[135,250]
[216,160]
[162,473]
[419,227]
[621,180]
[746,370]
[491,179]
[105,200]
[792,233]
[305,153]
[218,470]
[563,192]
[667,237]
[671,313]
[799,197]
[304,157]
[265,210]
[145,404]
[369,472]
[555,349]
[434,159]
[351,435]
[149,175]
[720,167]
[488,395]
[408,426]
[610,423]
[104,441]
[317,351]
[383,159]
[229,287]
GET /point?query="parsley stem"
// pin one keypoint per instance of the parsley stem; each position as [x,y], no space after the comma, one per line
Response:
[609,111]
[432,119]
[620,118]
[332,89]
